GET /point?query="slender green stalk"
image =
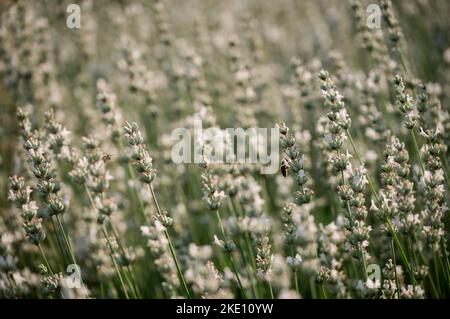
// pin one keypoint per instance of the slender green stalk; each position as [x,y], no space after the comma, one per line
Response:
[429,277]
[295,273]
[233,266]
[436,270]
[416,147]
[62,251]
[177,264]
[129,278]
[66,240]
[105,234]
[47,264]
[172,250]
[363,262]
[222,230]
[45,259]
[369,179]
[412,262]
[247,238]
[402,252]
[447,266]
[132,282]
[324,293]
[244,255]
[271,290]
[139,200]
[312,285]
[446,170]
[394,259]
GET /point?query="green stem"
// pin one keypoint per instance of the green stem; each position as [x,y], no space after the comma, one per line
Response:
[105,234]
[296,283]
[416,146]
[312,285]
[140,203]
[436,270]
[127,275]
[59,240]
[132,281]
[402,252]
[446,171]
[295,273]
[45,259]
[66,240]
[122,283]
[172,250]
[324,294]
[412,262]
[242,251]
[155,201]
[394,259]
[247,238]
[222,230]
[429,276]
[363,261]
[447,266]
[369,179]
[271,290]
[237,276]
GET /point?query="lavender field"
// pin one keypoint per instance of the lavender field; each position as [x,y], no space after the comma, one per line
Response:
[95,201]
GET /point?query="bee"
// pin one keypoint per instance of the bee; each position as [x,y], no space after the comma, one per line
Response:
[284,167]
[106,158]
